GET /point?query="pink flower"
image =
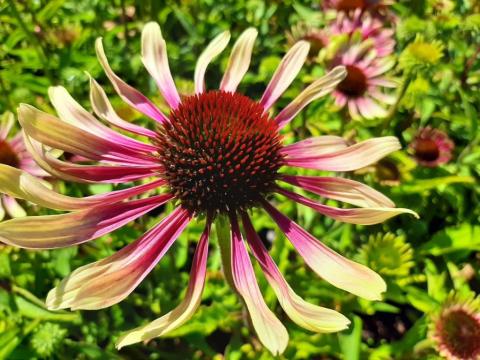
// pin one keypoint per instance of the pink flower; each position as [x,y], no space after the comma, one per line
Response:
[368,27]
[14,154]
[216,155]
[352,5]
[432,147]
[361,90]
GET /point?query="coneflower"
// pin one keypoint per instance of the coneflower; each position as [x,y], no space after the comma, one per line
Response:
[216,155]
[432,147]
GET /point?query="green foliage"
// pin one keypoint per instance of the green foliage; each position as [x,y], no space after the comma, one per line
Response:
[45,43]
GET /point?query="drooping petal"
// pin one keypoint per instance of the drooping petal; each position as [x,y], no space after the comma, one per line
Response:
[183,312]
[55,231]
[314,91]
[213,49]
[6,125]
[341,189]
[304,314]
[130,95]
[13,208]
[314,146]
[19,184]
[109,281]
[58,134]
[286,72]
[87,173]
[239,60]
[351,158]
[359,216]
[104,110]
[334,268]
[155,59]
[269,329]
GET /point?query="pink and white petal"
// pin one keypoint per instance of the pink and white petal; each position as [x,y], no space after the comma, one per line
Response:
[88,173]
[329,265]
[73,113]
[213,49]
[104,110]
[381,81]
[239,60]
[58,134]
[340,99]
[6,125]
[110,280]
[341,189]
[359,216]
[185,310]
[130,95]
[21,185]
[315,146]
[2,212]
[380,67]
[55,231]
[351,158]
[317,89]
[269,329]
[304,314]
[12,207]
[155,60]
[286,72]
[369,109]
[353,109]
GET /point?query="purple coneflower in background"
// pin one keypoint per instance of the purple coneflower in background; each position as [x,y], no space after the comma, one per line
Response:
[14,154]
[352,5]
[432,147]
[217,153]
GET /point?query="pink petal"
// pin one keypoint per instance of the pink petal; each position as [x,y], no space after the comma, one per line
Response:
[334,268]
[109,281]
[351,158]
[12,207]
[318,145]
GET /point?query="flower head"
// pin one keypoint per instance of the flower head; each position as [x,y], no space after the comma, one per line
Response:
[317,38]
[217,155]
[432,147]
[421,53]
[13,153]
[361,90]
[352,5]
[365,27]
[456,328]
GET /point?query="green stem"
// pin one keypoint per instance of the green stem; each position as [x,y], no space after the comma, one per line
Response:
[224,242]
[394,108]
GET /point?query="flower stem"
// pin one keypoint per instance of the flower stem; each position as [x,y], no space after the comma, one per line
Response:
[224,242]
[393,110]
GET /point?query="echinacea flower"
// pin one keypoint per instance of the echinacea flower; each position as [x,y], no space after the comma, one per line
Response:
[421,53]
[317,38]
[455,328]
[352,5]
[362,89]
[216,155]
[14,154]
[432,147]
[367,28]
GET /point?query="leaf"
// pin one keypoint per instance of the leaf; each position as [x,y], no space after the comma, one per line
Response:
[350,342]
[455,238]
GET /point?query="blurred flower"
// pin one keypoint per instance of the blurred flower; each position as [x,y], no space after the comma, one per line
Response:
[367,27]
[387,254]
[432,147]
[14,154]
[455,328]
[361,89]
[47,339]
[315,37]
[421,53]
[352,5]
[216,156]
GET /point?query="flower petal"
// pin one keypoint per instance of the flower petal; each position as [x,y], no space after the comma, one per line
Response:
[213,49]
[54,231]
[7,121]
[304,314]
[19,184]
[50,131]
[334,268]
[130,95]
[183,312]
[359,216]
[270,330]
[13,208]
[104,110]
[317,89]
[314,146]
[239,60]
[109,281]
[286,72]
[155,59]
[351,158]
[349,191]
[87,173]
